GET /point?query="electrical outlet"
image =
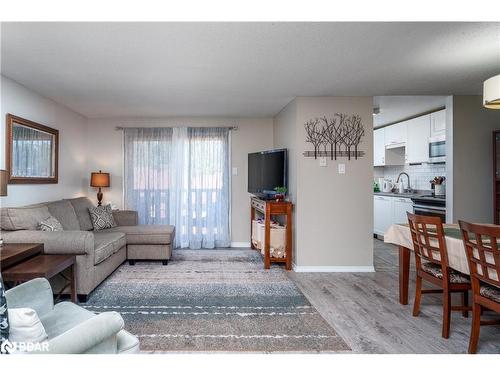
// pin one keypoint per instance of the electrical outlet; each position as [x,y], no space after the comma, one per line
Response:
[235,171]
[341,168]
[322,161]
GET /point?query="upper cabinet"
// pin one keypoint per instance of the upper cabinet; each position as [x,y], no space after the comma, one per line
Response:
[417,147]
[395,135]
[407,142]
[379,147]
[383,155]
[438,123]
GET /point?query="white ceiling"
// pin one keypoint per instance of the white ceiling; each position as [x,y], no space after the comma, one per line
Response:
[397,108]
[242,69]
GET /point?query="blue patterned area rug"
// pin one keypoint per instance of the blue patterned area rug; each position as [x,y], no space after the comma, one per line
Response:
[214,301]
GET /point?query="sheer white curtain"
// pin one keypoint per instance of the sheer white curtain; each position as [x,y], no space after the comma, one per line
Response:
[32,152]
[180,176]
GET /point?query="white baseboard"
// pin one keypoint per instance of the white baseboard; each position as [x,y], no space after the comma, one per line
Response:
[333,268]
[240,244]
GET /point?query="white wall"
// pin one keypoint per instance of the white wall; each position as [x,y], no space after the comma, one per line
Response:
[22,102]
[333,212]
[105,152]
[472,159]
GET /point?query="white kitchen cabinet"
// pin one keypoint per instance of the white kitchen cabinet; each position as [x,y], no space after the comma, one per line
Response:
[379,147]
[383,156]
[438,123]
[395,134]
[382,213]
[417,144]
[388,211]
[400,207]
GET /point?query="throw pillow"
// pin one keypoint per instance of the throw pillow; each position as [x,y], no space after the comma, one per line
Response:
[4,316]
[25,326]
[51,224]
[102,217]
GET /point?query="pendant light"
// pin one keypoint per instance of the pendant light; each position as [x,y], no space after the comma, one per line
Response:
[491,93]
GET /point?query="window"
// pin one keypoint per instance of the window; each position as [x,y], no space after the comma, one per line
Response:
[180,176]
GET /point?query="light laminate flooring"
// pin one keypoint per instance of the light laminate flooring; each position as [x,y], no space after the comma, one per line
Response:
[364,309]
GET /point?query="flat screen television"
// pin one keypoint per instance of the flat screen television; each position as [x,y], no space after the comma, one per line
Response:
[267,170]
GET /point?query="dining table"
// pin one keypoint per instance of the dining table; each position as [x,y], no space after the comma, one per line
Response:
[400,235]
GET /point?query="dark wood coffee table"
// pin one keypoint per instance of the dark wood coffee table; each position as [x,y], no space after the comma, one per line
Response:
[12,254]
[45,265]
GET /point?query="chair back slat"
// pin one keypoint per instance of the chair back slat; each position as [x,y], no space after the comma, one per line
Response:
[428,240]
[483,255]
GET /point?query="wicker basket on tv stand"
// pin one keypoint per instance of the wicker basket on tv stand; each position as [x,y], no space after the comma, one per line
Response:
[270,208]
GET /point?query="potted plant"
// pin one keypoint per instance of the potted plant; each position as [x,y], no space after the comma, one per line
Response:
[280,193]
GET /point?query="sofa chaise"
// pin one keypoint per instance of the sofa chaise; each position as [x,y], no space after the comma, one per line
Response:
[98,253]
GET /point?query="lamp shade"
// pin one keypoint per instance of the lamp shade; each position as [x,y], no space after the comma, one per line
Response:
[99,179]
[3,183]
[491,93]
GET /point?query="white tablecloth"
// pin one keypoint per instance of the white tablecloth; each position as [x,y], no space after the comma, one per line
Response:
[400,235]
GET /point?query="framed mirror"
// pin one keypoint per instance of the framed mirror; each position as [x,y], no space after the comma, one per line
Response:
[32,152]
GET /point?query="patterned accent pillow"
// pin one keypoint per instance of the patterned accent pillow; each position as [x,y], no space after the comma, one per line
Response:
[102,217]
[51,224]
[4,316]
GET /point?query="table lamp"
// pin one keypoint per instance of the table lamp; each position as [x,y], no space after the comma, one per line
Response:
[100,180]
[3,191]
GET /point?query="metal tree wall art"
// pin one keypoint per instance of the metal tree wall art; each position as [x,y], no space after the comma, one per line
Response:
[342,134]
[329,135]
[353,132]
[315,135]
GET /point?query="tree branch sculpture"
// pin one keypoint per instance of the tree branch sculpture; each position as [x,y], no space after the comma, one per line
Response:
[359,132]
[342,129]
[314,135]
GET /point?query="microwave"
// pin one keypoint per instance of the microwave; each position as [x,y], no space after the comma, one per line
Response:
[437,149]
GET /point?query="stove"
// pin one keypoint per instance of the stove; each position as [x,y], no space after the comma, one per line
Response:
[430,205]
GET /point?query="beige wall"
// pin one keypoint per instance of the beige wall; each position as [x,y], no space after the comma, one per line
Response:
[336,211]
[91,144]
[22,102]
[285,136]
[105,152]
[333,212]
[472,178]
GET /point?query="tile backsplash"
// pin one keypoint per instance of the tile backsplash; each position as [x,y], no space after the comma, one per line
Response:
[420,175]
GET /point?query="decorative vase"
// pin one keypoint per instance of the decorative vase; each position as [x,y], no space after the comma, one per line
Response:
[279,197]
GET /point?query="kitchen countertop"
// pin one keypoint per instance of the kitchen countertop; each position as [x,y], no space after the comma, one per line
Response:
[400,195]
[416,193]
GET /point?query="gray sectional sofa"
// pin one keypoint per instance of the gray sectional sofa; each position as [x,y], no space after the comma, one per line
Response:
[98,253]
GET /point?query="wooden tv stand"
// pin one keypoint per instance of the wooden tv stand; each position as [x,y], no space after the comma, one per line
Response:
[270,208]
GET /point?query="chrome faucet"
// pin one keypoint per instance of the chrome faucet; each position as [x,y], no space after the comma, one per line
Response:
[407,176]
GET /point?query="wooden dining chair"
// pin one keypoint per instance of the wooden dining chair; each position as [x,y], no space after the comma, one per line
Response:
[431,261]
[483,255]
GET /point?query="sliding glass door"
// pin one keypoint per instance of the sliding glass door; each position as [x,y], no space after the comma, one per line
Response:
[180,176]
